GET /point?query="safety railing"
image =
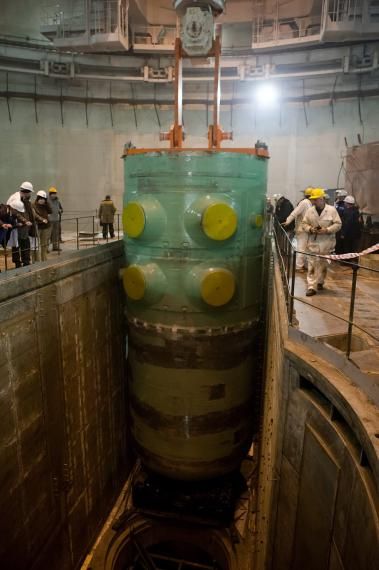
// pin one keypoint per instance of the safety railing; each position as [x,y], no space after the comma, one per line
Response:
[346,11]
[287,262]
[282,29]
[81,17]
[75,233]
[154,35]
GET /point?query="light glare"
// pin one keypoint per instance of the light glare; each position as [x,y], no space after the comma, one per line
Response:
[266,94]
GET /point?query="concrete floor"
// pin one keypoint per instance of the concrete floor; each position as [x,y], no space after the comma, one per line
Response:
[336,300]
[69,244]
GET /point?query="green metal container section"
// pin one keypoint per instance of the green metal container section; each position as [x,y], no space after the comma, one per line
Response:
[193,225]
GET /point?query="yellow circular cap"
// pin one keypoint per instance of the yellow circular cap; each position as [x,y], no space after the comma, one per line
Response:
[218,287]
[133,219]
[134,282]
[219,221]
[259,220]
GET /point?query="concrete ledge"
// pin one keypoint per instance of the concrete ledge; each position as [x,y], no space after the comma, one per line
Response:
[21,281]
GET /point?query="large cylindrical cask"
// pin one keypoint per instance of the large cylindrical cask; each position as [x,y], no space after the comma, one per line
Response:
[193,279]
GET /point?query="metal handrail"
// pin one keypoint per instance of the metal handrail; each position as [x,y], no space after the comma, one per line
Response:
[77,237]
[287,262]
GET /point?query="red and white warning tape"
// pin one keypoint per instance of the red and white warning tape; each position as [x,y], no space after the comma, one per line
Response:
[353,255]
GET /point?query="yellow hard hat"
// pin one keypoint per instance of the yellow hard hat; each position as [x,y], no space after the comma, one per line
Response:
[317,193]
[52,190]
[308,191]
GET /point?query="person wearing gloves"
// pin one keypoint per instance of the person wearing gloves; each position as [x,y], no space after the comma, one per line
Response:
[20,201]
[297,216]
[321,223]
[42,208]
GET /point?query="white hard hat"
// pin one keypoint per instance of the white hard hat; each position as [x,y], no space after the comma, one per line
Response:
[341,193]
[28,186]
[42,193]
[349,200]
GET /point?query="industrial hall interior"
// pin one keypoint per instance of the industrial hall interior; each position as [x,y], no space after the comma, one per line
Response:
[189,284]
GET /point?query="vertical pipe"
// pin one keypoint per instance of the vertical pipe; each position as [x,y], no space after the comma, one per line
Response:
[93,230]
[217,84]
[35,99]
[61,105]
[290,316]
[207,106]
[8,105]
[86,104]
[134,106]
[178,112]
[351,312]
[110,103]
[77,233]
[288,253]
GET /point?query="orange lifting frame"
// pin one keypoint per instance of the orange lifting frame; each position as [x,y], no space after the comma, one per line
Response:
[216,135]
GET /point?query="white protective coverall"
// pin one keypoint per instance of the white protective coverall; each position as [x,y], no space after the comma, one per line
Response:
[320,243]
[15,202]
[301,236]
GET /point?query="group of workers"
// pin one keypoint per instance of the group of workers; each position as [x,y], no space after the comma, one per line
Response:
[29,227]
[320,229]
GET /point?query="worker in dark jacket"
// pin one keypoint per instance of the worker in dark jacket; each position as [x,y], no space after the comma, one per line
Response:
[7,223]
[107,211]
[283,208]
[339,205]
[351,227]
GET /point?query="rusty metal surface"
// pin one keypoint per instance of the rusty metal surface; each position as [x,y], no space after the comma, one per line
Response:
[183,349]
[192,402]
[325,450]
[62,420]
[319,469]
[362,176]
[318,481]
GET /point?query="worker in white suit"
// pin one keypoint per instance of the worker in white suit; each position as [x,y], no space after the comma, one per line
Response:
[297,215]
[321,223]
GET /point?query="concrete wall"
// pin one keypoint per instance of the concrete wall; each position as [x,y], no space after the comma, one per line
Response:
[318,484]
[21,18]
[50,145]
[63,451]
[84,162]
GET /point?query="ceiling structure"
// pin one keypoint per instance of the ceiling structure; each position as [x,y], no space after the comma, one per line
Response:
[123,51]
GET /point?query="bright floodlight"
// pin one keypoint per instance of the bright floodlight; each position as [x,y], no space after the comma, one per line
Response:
[266,94]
